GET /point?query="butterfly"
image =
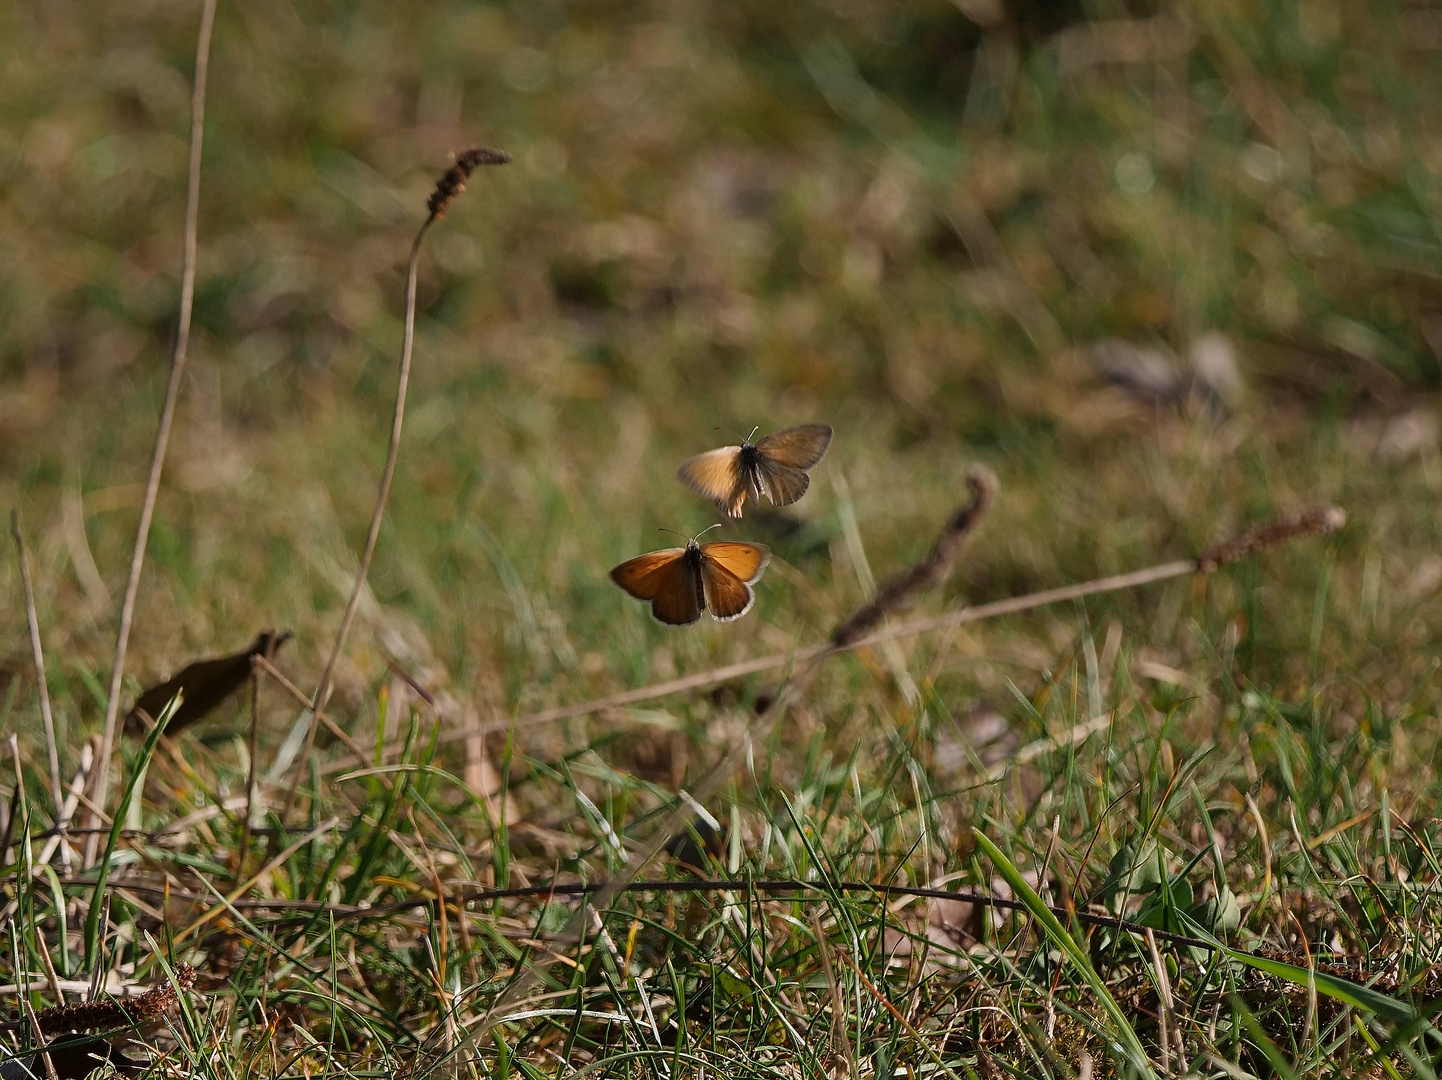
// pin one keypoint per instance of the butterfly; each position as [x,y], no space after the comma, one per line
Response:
[681,583]
[775,467]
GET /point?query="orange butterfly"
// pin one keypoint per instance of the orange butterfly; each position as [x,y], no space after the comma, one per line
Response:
[775,467]
[681,583]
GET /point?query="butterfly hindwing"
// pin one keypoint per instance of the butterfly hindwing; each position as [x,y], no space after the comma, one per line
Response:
[781,484]
[682,602]
[728,569]
[797,447]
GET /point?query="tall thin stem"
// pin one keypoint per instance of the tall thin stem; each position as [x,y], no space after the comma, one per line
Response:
[167,415]
[37,653]
[447,188]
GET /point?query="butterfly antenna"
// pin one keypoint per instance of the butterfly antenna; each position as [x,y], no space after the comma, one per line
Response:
[673,532]
[707,529]
[737,434]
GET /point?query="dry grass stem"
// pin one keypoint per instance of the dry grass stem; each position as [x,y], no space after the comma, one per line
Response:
[37,655]
[167,415]
[838,1000]
[450,185]
[357,751]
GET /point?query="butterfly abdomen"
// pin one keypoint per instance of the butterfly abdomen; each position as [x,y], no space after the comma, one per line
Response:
[693,572]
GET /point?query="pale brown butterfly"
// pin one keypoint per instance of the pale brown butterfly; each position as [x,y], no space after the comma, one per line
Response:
[681,583]
[775,467]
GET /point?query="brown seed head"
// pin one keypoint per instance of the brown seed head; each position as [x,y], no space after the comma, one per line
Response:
[454,181]
[1316,522]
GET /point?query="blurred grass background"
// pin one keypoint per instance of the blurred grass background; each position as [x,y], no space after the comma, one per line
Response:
[1167,268]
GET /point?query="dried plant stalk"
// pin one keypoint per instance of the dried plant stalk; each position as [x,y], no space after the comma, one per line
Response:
[447,188]
[897,594]
[167,416]
[1319,521]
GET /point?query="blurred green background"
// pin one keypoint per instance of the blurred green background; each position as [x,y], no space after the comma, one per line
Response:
[1167,268]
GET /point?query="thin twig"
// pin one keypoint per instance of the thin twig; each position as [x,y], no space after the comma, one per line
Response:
[167,415]
[449,186]
[37,653]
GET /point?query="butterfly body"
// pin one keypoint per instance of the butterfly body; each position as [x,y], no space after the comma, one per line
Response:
[774,466]
[682,583]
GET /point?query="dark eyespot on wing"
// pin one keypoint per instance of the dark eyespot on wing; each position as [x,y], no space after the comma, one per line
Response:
[797,447]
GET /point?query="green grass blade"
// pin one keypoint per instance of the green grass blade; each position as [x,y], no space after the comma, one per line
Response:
[137,775]
[1127,1041]
[1349,993]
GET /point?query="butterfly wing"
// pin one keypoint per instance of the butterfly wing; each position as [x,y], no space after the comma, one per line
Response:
[780,483]
[797,447]
[717,475]
[728,569]
[668,580]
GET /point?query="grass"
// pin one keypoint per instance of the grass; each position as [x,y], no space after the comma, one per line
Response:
[897,220]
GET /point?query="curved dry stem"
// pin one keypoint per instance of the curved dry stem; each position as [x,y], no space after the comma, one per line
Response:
[317,701]
[167,415]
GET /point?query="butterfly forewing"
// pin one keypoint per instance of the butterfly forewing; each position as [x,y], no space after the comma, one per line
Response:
[717,475]
[669,579]
[741,560]
[797,447]
[646,575]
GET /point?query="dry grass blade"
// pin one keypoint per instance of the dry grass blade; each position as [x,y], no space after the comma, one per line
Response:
[57,790]
[167,415]
[449,186]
